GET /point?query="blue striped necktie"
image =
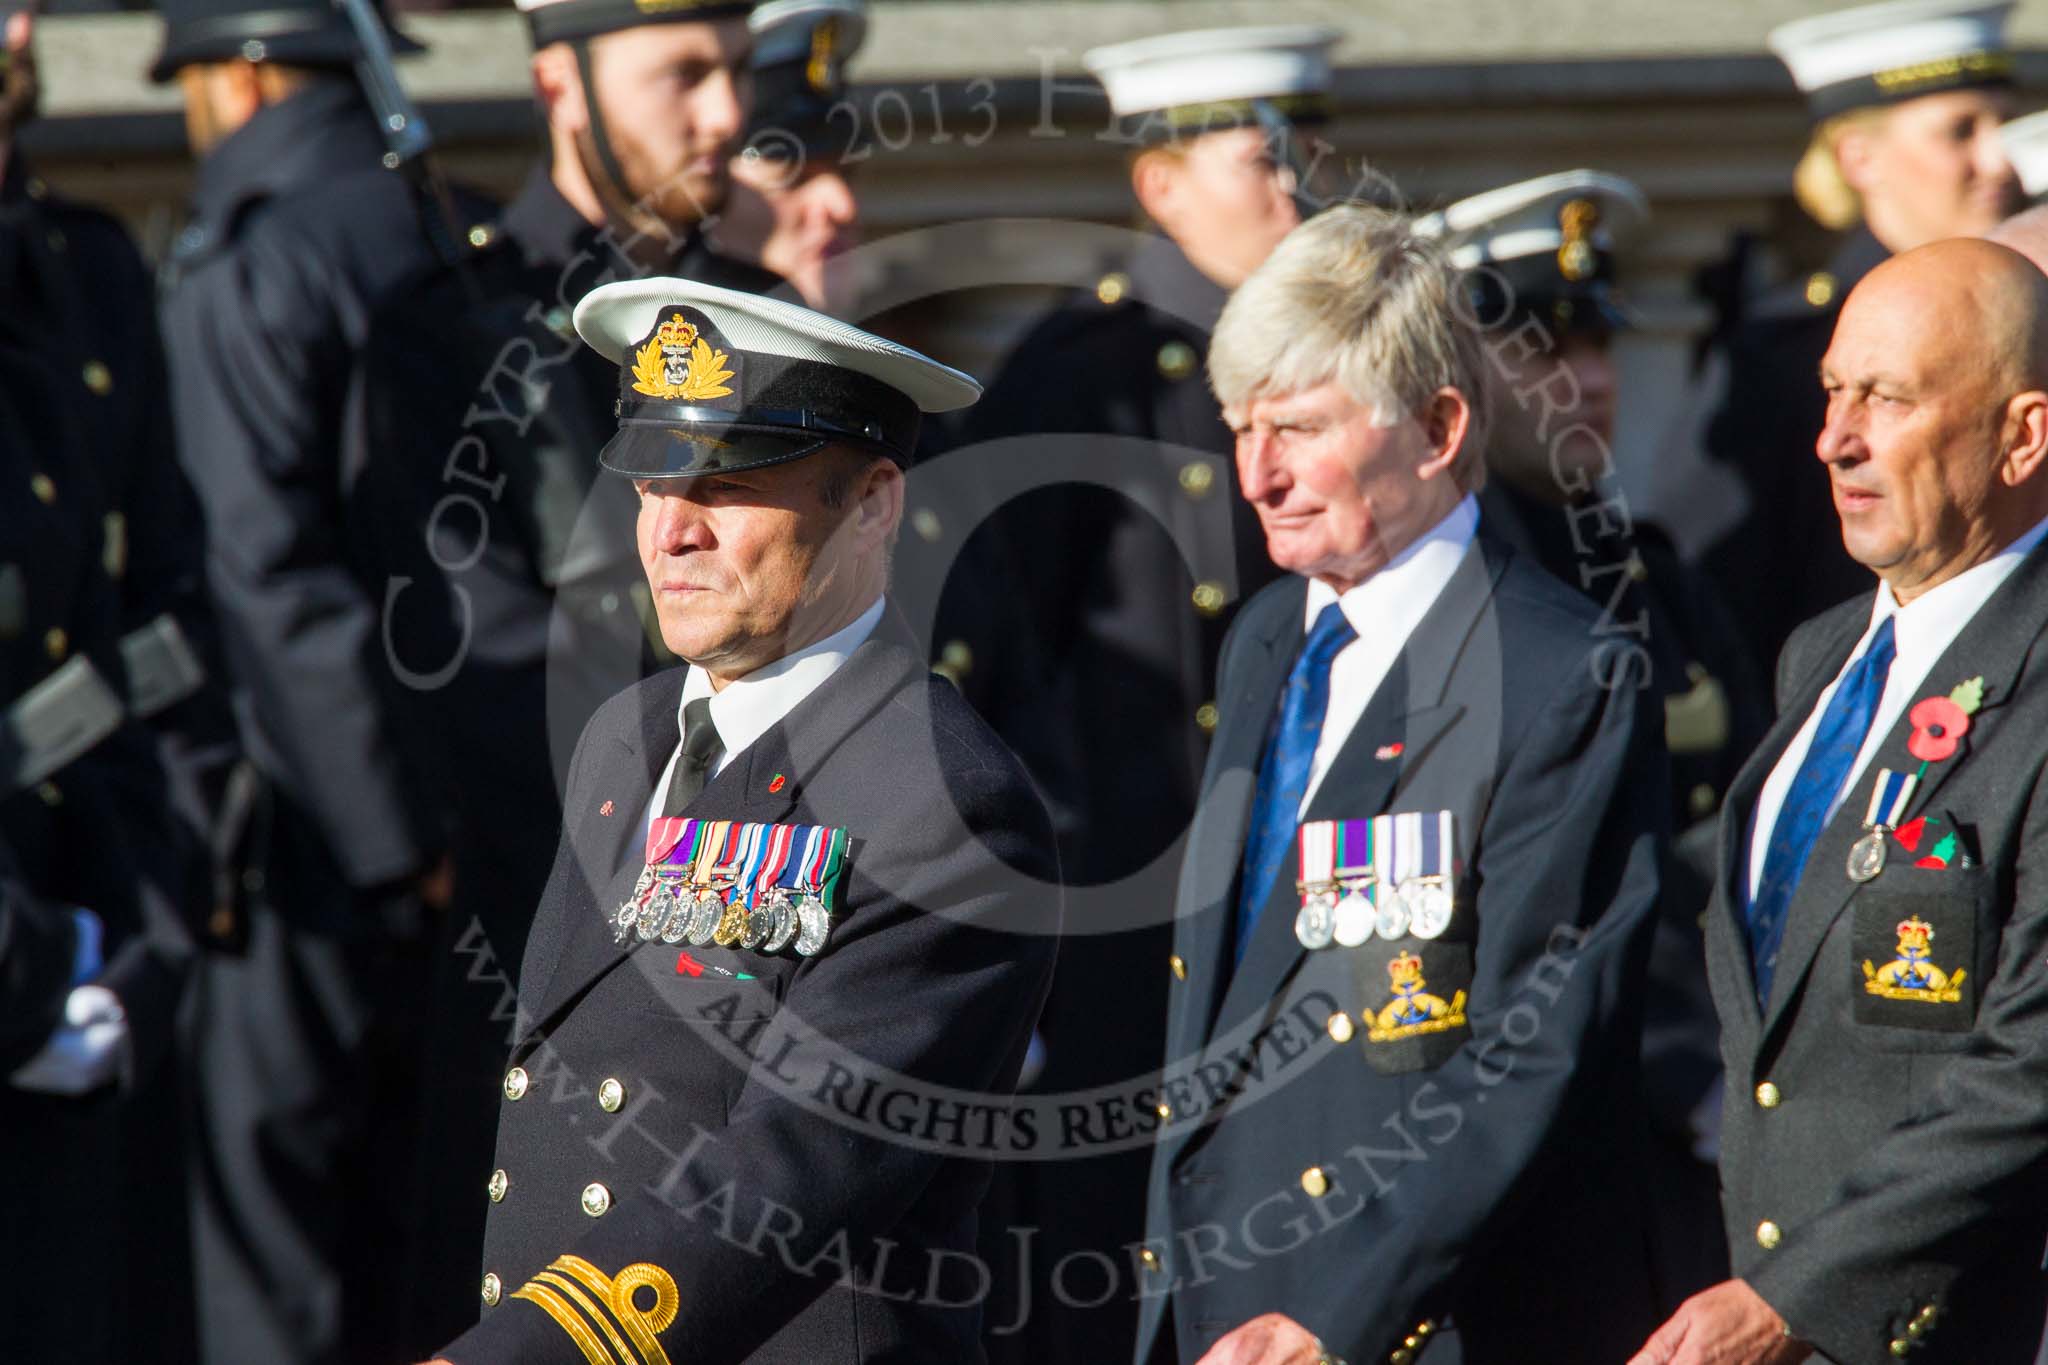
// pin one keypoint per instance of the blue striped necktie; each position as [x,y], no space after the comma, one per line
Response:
[1284,766]
[1836,742]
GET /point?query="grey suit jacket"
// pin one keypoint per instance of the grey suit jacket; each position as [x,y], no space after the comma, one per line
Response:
[1882,1153]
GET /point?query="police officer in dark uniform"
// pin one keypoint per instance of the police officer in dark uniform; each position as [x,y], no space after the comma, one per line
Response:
[92,872]
[305,1050]
[1903,152]
[1126,579]
[517,604]
[1538,258]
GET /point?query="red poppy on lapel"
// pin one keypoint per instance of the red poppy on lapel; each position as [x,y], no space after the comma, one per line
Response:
[777,784]
[1387,751]
[605,809]
[1938,726]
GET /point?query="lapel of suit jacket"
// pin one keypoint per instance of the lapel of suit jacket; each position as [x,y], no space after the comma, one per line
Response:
[793,748]
[624,766]
[1410,707]
[1207,899]
[1993,645]
[1739,808]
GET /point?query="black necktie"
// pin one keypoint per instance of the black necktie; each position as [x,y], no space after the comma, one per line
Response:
[701,748]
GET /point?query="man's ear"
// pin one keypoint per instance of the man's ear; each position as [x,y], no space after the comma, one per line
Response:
[1446,421]
[878,502]
[2026,439]
[1155,180]
[558,85]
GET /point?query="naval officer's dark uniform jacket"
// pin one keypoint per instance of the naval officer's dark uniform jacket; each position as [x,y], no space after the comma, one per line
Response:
[520,607]
[701,1130]
[1783,562]
[1882,1158]
[1389,1195]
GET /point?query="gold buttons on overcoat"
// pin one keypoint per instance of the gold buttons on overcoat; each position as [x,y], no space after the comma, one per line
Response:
[493,1291]
[1767,1096]
[500,1182]
[610,1095]
[515,1083]
[597,1200]
[1315,1182]
[1768,1235]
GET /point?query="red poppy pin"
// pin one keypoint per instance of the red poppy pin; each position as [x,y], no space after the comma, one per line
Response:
[605,809]
[1939,723]
[777,783]
[1387,751]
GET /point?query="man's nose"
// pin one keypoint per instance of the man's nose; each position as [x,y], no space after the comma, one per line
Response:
[1840,437]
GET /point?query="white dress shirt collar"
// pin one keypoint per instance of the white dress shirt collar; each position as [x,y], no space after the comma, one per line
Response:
[1392,601]
[746,708]
[1385,610]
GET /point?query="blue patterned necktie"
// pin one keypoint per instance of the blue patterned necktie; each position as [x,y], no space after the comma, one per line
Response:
[1836,742]
[1283,767]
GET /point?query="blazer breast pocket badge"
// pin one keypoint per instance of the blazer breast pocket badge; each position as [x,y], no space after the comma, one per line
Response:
[1915,971]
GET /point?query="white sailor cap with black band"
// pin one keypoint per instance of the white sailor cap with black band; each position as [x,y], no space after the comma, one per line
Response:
[563,21]
[713,380]
[1544,247]
[1180,82]
[801,50]
[2025,141]
[1881,54]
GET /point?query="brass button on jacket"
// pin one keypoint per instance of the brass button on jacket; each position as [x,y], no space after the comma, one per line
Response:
[611,1095]
[1768,1235]
[515,1083]
[494,1289]
[597,1200]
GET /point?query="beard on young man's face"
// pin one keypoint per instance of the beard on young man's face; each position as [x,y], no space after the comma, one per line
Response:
[681,189]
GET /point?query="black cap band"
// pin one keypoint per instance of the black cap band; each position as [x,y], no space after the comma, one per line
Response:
[572,19]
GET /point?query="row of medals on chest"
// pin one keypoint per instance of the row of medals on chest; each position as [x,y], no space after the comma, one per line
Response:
[672,904]
[1345,910]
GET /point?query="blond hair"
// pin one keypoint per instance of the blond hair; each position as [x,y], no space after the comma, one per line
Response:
[1818,183]
[1356,296]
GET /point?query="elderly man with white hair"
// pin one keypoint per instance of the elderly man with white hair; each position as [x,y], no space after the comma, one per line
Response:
[1411,927]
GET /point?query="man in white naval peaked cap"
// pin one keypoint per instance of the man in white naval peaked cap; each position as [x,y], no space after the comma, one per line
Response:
[474,372]
[1906,99]
[1129,584]
[794,870]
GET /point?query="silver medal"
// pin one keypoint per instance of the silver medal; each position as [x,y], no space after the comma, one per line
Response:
[1353,919]
[1393,917]
[760,921]
[1315,923]
[703,921]
[675,922]
[1866,856]
[1430,908]
[782,926]
[812,926]
[648,922]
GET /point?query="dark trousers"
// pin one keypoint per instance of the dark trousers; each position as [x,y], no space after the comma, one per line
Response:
[305,1061]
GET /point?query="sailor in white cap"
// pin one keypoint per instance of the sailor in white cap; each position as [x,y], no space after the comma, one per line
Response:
[671,1085]
[1540,263]
[792,206]
[1907,98]
[1131,585]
